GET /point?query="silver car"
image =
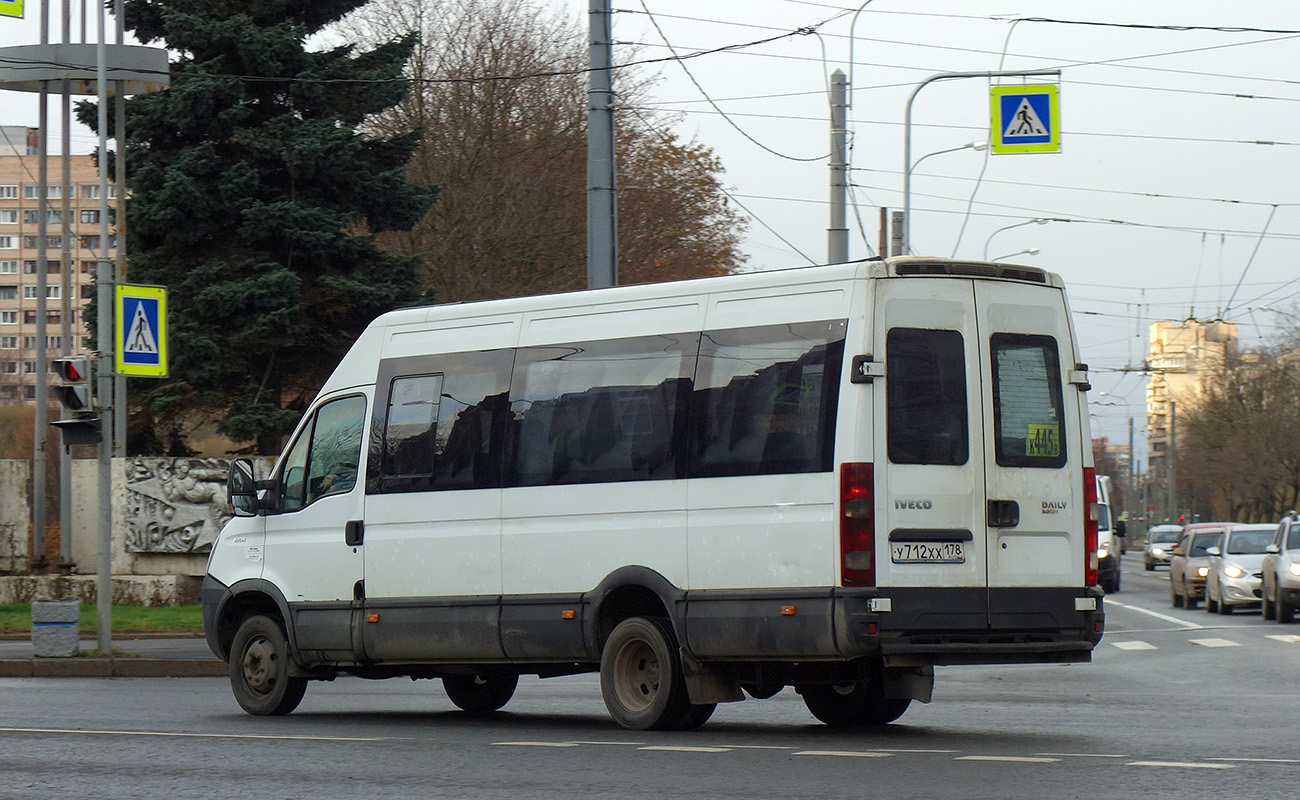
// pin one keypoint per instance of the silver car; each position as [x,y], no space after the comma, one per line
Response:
[1234,578]
[1281,572]
[1160,541]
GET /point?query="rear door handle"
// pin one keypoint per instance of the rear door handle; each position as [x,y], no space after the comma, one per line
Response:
[354,532]
[1004,513]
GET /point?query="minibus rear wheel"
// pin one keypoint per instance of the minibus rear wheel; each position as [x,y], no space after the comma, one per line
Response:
[853,704]
[480,693]
[259,668]
[641,678]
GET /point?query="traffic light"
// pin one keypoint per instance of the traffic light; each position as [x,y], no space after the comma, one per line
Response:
[73,390]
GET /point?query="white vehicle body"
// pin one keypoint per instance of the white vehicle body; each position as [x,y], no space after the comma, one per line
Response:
[804,476]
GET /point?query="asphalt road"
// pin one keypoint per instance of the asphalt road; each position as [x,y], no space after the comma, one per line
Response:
[1175,704]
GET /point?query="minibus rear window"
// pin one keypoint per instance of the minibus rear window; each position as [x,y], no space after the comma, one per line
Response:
[1027,416]
[927,416]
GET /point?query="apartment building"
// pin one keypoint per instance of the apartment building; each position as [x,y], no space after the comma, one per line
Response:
[71,253]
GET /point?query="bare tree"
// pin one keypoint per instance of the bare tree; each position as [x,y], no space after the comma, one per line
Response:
[501,99]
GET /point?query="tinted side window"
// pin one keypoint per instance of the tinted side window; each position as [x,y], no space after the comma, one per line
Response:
[597,412]
[926,416]
[444,425]
[764,400]
[1027,418]
[1293,537]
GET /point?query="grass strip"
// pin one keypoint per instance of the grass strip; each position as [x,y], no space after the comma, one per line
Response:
[178,620]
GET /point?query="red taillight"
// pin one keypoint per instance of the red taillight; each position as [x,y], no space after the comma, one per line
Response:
[858,525]
[1090,513]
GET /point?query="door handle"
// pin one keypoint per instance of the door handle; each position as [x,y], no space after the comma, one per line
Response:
[1004,513]
[354,532]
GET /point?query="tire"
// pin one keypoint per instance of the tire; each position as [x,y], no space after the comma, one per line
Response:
[1188,600]
[1117,576]
[259,669]
[641,678]
[1175,599]
[1225,609]
[1266,609]
[854,705]
[1149,566]
[480,693]
[1285,611]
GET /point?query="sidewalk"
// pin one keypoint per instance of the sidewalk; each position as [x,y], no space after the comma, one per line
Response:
[155,657]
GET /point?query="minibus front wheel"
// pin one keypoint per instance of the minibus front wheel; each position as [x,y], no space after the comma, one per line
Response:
[259,668]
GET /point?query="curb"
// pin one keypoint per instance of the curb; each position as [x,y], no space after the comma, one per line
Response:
[112,668]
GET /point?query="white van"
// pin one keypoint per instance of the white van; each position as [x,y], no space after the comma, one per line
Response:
[832,478]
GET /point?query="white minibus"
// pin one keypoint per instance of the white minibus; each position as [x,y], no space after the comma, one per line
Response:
[832,478]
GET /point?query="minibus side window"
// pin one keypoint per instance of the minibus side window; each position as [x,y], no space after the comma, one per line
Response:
[326,458]
[595,412]
[412,425]
[1027,418]
[764,401]
[926,419]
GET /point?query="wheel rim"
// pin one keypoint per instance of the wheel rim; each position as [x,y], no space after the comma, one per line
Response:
[261,667]
[636,675]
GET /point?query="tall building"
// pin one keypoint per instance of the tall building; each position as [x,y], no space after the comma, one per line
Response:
[70,273]
[1185,358]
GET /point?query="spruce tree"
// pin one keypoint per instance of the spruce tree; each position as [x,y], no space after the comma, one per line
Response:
[255,199]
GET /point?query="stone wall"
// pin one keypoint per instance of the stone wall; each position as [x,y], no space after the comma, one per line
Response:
[15,516]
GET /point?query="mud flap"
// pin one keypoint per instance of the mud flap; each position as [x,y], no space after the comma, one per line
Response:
[913,683]
[706,683]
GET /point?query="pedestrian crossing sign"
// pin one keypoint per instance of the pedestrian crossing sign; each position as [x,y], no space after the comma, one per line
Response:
[140,327]
[11,8]
[1026,119]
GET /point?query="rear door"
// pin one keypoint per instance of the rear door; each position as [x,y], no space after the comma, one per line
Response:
[1034,474]
[929,462]
[977,445]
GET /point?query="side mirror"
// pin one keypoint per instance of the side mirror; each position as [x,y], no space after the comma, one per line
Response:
[241,488]
[1213,551]
[1272,548]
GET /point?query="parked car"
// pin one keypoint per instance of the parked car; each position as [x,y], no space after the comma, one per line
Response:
[1235,562]
[1108,543]
[1161,540]
[1280,570]
[1190,563]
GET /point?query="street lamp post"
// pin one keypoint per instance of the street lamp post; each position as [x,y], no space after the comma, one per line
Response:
[1028,251]
[1035,221]
[907,132]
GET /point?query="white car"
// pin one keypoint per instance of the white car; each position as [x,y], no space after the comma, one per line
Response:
[1234,578]
[1281,572]
[1160,542]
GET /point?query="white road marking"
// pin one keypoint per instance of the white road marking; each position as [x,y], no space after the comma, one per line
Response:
[758,747]
[843,754]
[1285,638]
[674,749]
[1016,759]
[166,734]
[905,750]
[1214,642]
[621,744]
[1156,614]
[1083,755]
[1259,760]
[534,744]
[1134,645]
[1180,765]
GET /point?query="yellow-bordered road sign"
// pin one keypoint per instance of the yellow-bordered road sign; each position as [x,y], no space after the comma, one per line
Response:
[1025,119]
[140,330]
[11,8]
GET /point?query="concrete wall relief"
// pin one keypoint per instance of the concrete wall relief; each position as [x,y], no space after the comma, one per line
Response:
[175,505]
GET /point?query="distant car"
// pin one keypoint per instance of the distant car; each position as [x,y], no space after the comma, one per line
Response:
[1234,578]
[1160,541]
[1108,543]
[1190,563]
[1280,568]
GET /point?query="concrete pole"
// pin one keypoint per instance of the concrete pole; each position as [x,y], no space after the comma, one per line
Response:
[119,135]
[1171,467]
[602,203]
[104,364]
[41,434]
[65,303]
[837,235]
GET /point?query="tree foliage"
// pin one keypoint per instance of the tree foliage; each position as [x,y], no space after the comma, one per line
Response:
[501,93]
[1239,441]
[257,201]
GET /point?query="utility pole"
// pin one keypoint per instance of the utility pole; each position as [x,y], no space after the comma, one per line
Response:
[104,366]
[602,203]
[837,235]
[1171,465]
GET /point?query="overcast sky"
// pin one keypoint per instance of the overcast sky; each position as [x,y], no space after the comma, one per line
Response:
[1177,183]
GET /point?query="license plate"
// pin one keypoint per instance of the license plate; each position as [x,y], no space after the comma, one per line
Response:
[927,553]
